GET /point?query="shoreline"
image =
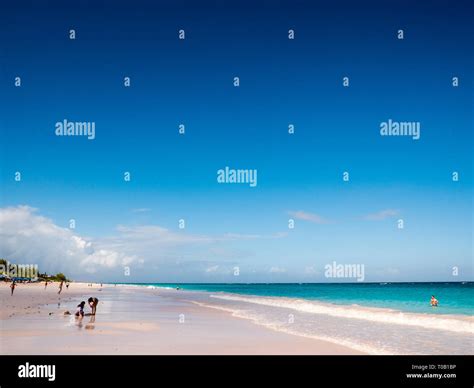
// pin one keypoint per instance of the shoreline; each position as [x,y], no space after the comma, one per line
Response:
[136,320]
[163,320]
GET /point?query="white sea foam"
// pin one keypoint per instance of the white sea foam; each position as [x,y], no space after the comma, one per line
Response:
[360,347]
[160,287]
[144,285]
[457,325]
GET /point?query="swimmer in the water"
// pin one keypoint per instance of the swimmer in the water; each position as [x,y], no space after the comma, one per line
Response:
[434,302]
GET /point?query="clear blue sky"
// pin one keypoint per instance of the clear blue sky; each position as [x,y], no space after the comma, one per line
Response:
[282,81]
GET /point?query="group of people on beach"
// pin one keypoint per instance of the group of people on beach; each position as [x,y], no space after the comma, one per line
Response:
[60,285]
[13,286]
[92,301]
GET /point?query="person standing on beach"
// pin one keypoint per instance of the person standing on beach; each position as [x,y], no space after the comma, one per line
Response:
[12,286]
[93,302]
[60,287]
[67,286]
[45,284]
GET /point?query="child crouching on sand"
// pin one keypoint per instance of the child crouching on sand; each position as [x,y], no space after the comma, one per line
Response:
[80,310]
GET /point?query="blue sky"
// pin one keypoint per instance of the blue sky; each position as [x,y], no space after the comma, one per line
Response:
[282,81]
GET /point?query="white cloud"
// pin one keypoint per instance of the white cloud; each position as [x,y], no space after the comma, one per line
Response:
[32,239]
[141,210]
[390,271]
[306,216]
[27,237]
[382,215]
[238,236]
[214,268]
[311,270]
[277,270]
[153,233]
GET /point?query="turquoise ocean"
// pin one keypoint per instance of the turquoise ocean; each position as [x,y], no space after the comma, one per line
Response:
[374,318]
[454,298]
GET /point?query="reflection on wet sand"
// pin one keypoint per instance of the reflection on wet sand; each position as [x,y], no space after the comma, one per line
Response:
[90,325]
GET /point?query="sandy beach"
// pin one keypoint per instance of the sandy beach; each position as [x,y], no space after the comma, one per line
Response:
[135,320]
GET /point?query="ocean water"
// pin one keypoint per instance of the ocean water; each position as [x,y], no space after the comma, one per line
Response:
[454,298]
[374,318]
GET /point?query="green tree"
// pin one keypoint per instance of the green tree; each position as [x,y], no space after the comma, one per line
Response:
[61,277]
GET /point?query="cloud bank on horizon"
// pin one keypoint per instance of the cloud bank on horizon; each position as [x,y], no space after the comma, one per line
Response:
[29,238]
[153,252]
